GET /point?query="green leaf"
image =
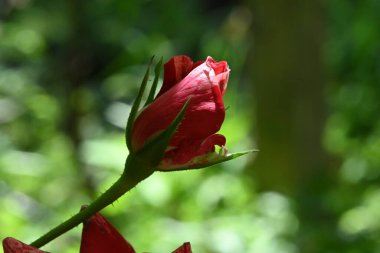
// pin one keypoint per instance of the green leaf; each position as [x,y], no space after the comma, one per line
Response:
[153,151]
[152,92]
[206,161]
[135,108]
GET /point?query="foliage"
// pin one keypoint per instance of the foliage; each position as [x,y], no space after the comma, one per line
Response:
[68,73]
[353,128]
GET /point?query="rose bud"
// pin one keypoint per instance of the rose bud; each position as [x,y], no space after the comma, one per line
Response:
[11,245]
[185,248]
[99,236]
[205,84]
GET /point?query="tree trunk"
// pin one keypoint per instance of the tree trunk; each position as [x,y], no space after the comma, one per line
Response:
[288,80]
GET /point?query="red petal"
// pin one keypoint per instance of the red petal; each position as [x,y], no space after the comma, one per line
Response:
[196,64]
[174,71]
[208,145]
[218,67]
[220,73]
[99,236]
[11,245]
[190,149]
[185,248]
[181,154]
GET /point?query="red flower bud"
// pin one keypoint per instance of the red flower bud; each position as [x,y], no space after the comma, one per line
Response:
[185,248]
[99,236]
[11,245]
[205,83]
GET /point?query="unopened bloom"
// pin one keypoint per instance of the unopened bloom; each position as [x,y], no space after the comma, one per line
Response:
[11,245]
[99,236]
[184,248]
[205,84]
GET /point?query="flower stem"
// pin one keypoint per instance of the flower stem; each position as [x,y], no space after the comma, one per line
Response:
[129,179]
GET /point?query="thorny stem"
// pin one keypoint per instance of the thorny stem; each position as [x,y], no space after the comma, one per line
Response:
[129,179]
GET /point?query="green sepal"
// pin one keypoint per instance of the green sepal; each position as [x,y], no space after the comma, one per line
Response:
[135,108]
[152,92]
[206,161]
[153,151]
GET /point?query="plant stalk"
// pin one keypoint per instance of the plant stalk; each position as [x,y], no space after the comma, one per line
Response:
[129,179]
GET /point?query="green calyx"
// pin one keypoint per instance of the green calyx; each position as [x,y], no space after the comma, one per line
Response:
[135,108]
[136,104]
[203,161]
[152,92]
[153,151]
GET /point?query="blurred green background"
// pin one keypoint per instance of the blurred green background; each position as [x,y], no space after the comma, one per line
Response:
[304,89]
